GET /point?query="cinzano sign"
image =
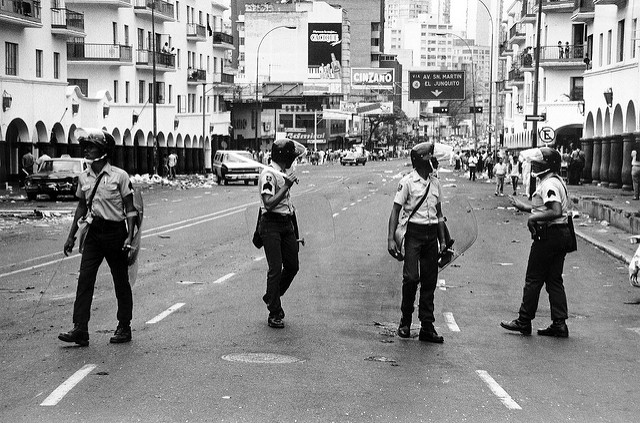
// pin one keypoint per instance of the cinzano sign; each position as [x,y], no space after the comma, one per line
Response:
[379,78]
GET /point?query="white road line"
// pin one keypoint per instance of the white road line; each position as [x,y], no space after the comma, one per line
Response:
[636,330]
[344,208]
[259,258]
[197,196]
[335,214]
[498,391]
[451,322]
[352,204]
[165,313]
[441,285]
[179,200]
[224,278]
[359,201]
[67,385]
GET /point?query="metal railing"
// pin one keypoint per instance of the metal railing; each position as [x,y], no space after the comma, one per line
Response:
[166,60]
[516,30]
[27,9]
[196,30]
[516,75]
[222,38]
[223,78]
[562,52]
[67,19]
[196,75]
[99,52]
[161,7]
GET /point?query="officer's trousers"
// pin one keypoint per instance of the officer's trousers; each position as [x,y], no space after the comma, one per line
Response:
[104,241]
[420,266]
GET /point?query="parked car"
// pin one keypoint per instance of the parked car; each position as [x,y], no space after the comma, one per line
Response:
[55,177]
[232,165]
[353,158]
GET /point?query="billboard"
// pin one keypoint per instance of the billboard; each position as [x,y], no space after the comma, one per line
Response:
[378,78]
[436,85]
[325,45]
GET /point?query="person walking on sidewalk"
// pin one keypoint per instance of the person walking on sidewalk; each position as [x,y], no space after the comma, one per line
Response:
[551,239]
[419,196]
[473,163]
[106,200]
[514,173]
[501,171]
[635,174]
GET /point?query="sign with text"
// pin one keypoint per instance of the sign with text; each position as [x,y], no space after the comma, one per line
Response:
[325,45]
[436,85]
[366,78]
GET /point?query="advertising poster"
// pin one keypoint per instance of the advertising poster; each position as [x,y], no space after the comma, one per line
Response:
[325,47]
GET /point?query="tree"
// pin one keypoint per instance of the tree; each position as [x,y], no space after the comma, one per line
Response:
[392,120]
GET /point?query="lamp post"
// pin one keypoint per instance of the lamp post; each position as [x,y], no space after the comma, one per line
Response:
[495,151]
[258,108]
[473,87]
[154,90]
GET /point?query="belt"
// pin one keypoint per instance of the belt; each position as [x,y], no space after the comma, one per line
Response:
[98,221]
[276,217]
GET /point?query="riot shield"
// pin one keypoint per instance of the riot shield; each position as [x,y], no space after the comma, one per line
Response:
[137,238]
[462,228]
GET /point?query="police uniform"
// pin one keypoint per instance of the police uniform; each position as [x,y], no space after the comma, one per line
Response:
[547,254]
[276,229]
[421,244]
[105,238]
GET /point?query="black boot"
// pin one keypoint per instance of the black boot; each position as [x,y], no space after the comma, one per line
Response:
[517,325]
[404,329]
[558,329]
[122,334]
[428,334]
[79,334]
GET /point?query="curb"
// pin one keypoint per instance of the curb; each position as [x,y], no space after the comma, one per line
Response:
[606,248]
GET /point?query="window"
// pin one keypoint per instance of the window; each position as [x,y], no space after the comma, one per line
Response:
[179,103]
[126,35]
[600,49]
[577,89]
[141,85]
[177,11]
[634,38]
[609,40]
[170,93]
[83,84]
[620,43]
[127,88]
[140,39]
[114,31]
[375,26]
[10,58]
[56,65]
[115,90]
[241,41]
[38,63]
[286,120]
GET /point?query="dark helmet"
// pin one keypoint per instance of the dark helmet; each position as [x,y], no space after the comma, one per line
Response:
[545,160]
[286,151]
[421,155]
[98,137]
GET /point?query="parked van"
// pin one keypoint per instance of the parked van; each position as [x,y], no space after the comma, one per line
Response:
[235,165]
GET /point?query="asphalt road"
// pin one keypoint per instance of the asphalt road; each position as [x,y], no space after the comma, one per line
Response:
[202,350]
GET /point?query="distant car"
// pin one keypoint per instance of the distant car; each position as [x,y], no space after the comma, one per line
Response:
[232,165]
[55,177]
[353,158]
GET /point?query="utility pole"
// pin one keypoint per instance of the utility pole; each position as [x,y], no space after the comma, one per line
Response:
[536,76]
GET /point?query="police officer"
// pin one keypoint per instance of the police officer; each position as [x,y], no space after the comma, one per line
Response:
[424,240]
[112,217]
[277,225]
[551,238]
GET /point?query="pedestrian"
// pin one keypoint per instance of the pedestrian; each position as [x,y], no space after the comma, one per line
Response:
[567,50]
[526,178]
[548,224]
[560,50]
[106,198]
[172,162]
[488,161]
[165,164]
[40,161]
[419,197]
[27,166]
[514,173]
[277,225]
[501,171]
[473,162]
[635,174]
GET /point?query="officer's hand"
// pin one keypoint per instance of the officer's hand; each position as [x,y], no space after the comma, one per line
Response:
[532,226]
[68,246]
[290,179]
[392,247]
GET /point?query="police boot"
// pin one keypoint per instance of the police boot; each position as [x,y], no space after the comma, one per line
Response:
[404,329]
[122,334]
[79,334]
[517,325]
[428,334]
[558,329]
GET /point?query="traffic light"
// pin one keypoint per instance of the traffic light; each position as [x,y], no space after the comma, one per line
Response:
[476,109]
[440,110]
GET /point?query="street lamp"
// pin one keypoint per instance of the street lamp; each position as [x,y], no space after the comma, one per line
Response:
[495,151]
[473,85]
[152,5]
[257,67]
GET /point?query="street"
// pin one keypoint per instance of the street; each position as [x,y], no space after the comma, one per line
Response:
[202,350]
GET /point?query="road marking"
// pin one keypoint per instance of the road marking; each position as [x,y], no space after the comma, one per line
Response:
[344,208]
[179,200]
[67,385]
[498,391]
[636,330]
[197,196]
[451,322]
[165,313]
[441,285]
[259,258]
[224,278]
[352,204]
[335,214]
[360,200]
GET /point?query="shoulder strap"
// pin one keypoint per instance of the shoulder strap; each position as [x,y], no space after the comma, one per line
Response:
[93,192]
[566,193]
[424,197]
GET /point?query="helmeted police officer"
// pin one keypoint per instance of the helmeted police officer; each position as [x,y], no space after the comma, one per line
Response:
[110,208]
[424,240]
[277,225]
[551,238]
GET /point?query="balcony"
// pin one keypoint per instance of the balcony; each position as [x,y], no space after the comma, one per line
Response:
[585,12]
[165,62]
[526,61]
[164,12]
[222,39]
[112,54]
[557,6]
[196,32]
[223,78]
[619,3]
[67,22]
[517,32]
[196,76]
[516,77]
[528,12]
[505,50]
[106,3]
[24,14]
[567,57]
[501,87]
